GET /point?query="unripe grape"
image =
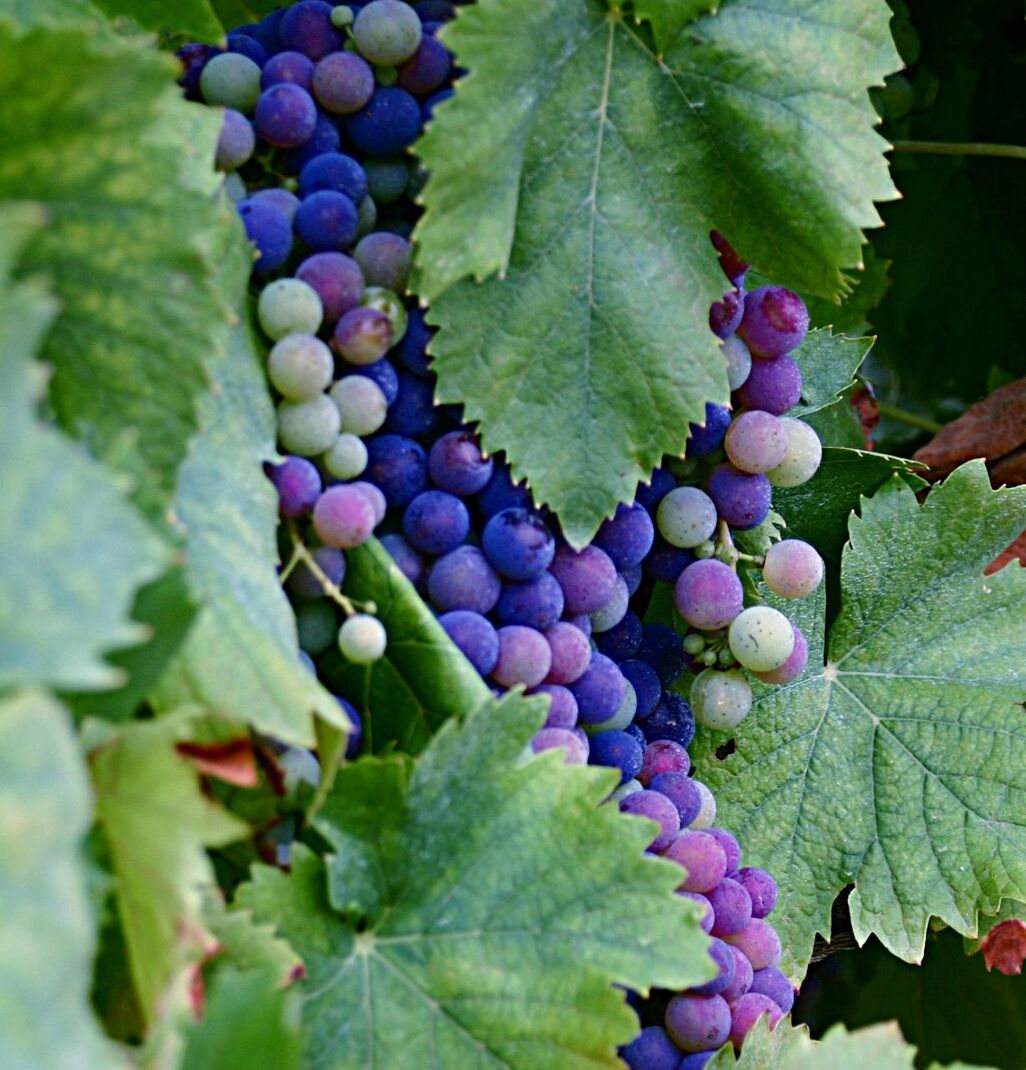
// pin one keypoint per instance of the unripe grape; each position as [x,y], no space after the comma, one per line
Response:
[802,458]
[300,366]
[362,638]
[793,667]
[739,361]
[686,517]
[390,306]
[706,816]
[347,457]
[308,427]
[361,404]
[756,442]
[721,700]
[289,306]
[792,568]
[761,638]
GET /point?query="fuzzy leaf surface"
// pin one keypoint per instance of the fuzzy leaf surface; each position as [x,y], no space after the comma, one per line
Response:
[828,363]
[591,193]
[897,767]
[494,917]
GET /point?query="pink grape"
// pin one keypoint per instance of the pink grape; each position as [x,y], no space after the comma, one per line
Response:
[708,594]
[344,517]
[792,568]
[756,442]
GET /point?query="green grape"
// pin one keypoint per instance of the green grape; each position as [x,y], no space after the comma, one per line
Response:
[726,658]
[361,404]
[721,700]
[704,550]
[707,657]
[347,457]
[387,31]
[362,639]
[232,80]
[804,453]
[389,305]
[308,427]
[300,367]
[761,638]
[686,517]
[316,624]
[341,16]
[694,644]
[289,306]
[367,213]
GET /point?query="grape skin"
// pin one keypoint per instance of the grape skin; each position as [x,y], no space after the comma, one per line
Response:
[362,639]
[289,306]
[721,700]
[761,638]
[755,442]
[309,427]
[300,366]
[792,569]
[686,517]
[802,458]
[361,404]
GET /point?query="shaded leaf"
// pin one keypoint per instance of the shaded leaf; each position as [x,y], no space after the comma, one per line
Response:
[828,363]
[668,17]
[248,946]
[194,18]
[234,13]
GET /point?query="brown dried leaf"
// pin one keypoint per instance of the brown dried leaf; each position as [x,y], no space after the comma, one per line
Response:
[1017,551]
[1004,948]
[232,761]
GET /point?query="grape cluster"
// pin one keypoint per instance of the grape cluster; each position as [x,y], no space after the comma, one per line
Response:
[321,103]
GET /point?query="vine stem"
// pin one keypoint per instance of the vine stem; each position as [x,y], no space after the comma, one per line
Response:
[895,412]
[301,553]
[961,148]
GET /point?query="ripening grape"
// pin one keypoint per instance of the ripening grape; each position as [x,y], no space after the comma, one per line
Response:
[475,636]
[702,858]
[307,27]
[524,657]
[686,517]
[363,335]
[755,442]
[361,404]
[285,67]
[235,143]
[739,361]
[285,115]
[775,321]
[300,366]
[391,306]
[385,260]
[742,499]
[747,1011]
[463,579]
[342,82]
[346,458]
[793,667]
[708,595]
[289,306]
[537,603]
[362,638]
[721,700]
[308,427]
[761,638]
[562,738]
[760,942]
[802,457]
[387,32]
[707,811]
[771,982]
[344,516]
[337,280]
[792,568]
[698,1023]
[231,80]
[774,386]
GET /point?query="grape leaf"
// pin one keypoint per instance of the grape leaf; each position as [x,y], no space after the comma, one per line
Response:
[488,904]
[25,13]
[46,925]
[591,191]
[234,13]
[247,946]
[880,1046]
[838,424]
[897,767]
[156,822]
[194,18]
[669,17]
[851,314]
[828,364]
[95,130]
[59,507]
[422,680]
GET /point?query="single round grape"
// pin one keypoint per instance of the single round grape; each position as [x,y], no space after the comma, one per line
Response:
[747,1011]
[702,858]
[308,427]
[760,942]
[337,280]
[658,808]
[742,981]
[398,466]
[236,141]
[566,739]
[562,706]
[793,667]
[613,613]
[663,756]
[327,220]
[651,1049]
[524,657]
[335,172]
[284,201]
[307,27]
[755,442]
[774,386]
[802,458]
[291,67]
[742,498]
[627,537]
[771,982]
[725,315]
[344,517]
[762,889]
[305,584]
[537,603]
[289,306]
[721,700]
[519,545]
[599,690]
[707,437]
[739,361]
[300,366]
[362,639]
[617,750]
[387,124]
[387,178]
[361,404]
[436,523]
[672,719]
[665,563]
[269,230]
[588,578]
[426,69]
[706,815]
[686,517]
[231,80]
[387,32]
[698,1023]
[285,116]
[680,789]
[457,465]
[463,579]
[413,412]
[792,568]
[316,625]
[722,956]
[343,82]
[731,848]
[571,653]
[391,305]
[374,496]
[775,321]
[363,335]
[475,637]
[347,457]
[708,595]
[732,905]
[761,638]
[385,260]
[298,484]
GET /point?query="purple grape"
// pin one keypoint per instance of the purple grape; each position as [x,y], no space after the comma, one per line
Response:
[457,465]
[356,736]
[756,441]
[704,863]
[697,1060]
[588,578]
[650,494]
[398,467]
[723,959]
[661,648]
[680,789]
[537,603]
[287,203]
[665,563]
[562,706]
[407,560]
[338,281]
[747,1011]
[307,27]
[583,622]
[571,653]
[336,172]
[651,1049]
[344,517]
[387,124]
[708,594]
[663,756]
[642,677]
[627,537]
[286,116]
[236,141]
[380,371]
[653,805]
[298,484]
[363,335]
[436,523]
[759,941]
[707,438]
[426,69]
[708,917]
[435,10]
[742,981]
[474,636]
[518,544]
[501,493]
[742,500]
[635,733]
[773,386]
[193,58]
[775,321]
[698,1023]
[771,982]
[305,584]
[631,576]
[325,138]
[270,230]
[576,746]
[731,848]
[622,640]
[327,220]
[413,412]
[617,750]
[343,82]
[385,260]
[733,907]
[795,664]
[463,579]
[599,691]
[266,31]
[725,315]
[730,263]
[524,657]
[377,499]
[762,889]
[291,68]
[672,719]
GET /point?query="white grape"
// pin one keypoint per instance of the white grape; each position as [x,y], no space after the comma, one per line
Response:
[362,638]
[361,404]
[721,700]
[739,361]
[300,367]
[308,427]
[289,306]
[803,456]
[761,638]
[686,517]
[347,457]
[706,816]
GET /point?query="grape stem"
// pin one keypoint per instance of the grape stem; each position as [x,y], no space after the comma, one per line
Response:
[895,412]
[961,148]
[728,553]
[301,553]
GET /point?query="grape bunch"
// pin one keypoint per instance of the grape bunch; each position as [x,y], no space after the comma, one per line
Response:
[321,103]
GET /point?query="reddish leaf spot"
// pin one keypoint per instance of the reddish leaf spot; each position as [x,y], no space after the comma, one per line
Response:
[1015,552]
[1004,947]
[232,762]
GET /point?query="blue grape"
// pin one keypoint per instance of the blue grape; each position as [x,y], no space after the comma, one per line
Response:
[617,750]
[463,579]
[672,719]
[282,199]
[407,560]
[435,10]
[325,138]
[599,691]
[413,350]
[770,982]
[307,27]
[426,69]
[562,705]
[643,678]
[665,563]
[518,544]
[742,499]
[413,412]
[500,493]
[387,124]
[270,231]
[398,466]
[334,171]
[696,1060]
[627,537]
[193,58]
[475,637]
[436,522]
[650,494]
[356,735]
[707,438]
[387,179]
[286,116]
[537,603]
[622,640]
[288,67]
[723,959]
[343,82]
[631,576]
[773,386]
[432,102]
[651,1049]
[337,280]
[457,465]
[661,648]
[298,484]
[381,372]
[327,220]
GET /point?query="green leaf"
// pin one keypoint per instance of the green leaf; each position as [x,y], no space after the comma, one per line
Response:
[828,364]
[247,946]
[157,822]
[94,129]
[234,13]
[73,551]
[880,1047]
[851,315]
[592,192]
[498,902]
[53,13]
[423,679]
[194,18]
[249,1022]
[899,766]
[838,424]
[46,926]
[668,17]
